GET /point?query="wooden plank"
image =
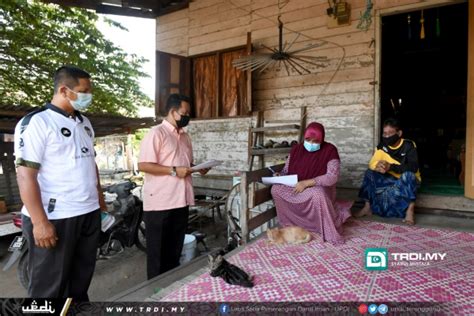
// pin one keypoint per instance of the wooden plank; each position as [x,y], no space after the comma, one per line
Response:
[342,76]
[195,31]
[270,151]
[321,104]
[256,175]
[400,6]
[250,157]
[244,210]
[259,137]
[169,18]
[195,5]
[275,128]
[360,86]
[303,119]
[260,196]
[162,28]
[267,103]
[214,46]
[173,8]
[469,178]
[249,75]
[174,33]
[114,10]
[378,79]
[218,85]
[262,218]
[218,36]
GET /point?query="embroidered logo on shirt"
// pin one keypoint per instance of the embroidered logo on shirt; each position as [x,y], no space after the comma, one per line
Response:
[88,130]
[51,205]
[65,132]
[403,154]
[85,150]
[22,143]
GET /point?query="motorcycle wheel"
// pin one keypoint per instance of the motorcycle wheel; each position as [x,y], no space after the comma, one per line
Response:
[22,270]
[140,239]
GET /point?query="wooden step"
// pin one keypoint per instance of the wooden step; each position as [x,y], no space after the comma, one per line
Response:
[270,151]
[275,128]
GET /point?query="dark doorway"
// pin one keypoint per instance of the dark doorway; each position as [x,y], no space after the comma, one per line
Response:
[424,84]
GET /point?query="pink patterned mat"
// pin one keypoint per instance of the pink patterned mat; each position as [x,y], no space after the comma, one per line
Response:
[322,272]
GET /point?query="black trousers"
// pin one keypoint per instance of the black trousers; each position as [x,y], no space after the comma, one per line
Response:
[65,270]
[165,232]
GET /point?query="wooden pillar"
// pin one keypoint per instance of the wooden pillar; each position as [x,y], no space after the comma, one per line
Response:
[248,50]
[244,210]
[469,180]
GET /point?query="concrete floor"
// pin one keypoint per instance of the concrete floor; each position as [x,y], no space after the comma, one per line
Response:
[114,275]
[111,276]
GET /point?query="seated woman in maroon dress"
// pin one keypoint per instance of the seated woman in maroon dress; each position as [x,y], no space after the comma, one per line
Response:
[312,203]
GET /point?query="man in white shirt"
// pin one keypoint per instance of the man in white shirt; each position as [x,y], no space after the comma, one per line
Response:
[59,186]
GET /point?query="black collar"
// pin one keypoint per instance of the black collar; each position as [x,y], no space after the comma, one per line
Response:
[54,108]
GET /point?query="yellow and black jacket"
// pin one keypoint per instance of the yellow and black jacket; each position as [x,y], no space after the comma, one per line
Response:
[402,158]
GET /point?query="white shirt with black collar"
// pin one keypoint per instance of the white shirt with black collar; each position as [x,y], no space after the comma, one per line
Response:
[61,147]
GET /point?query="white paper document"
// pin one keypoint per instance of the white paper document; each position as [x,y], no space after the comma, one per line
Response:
[207,164]
[286,180]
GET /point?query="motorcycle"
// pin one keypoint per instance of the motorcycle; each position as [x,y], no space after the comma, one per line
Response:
[121,227]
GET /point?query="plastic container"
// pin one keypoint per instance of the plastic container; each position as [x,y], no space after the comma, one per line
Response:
[189,249]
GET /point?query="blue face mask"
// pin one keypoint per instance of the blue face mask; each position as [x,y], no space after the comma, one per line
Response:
[82,102]
[311,147]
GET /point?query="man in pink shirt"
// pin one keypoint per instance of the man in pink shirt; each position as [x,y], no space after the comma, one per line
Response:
[166,157]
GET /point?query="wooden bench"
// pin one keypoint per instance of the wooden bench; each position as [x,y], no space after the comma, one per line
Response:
[251,196]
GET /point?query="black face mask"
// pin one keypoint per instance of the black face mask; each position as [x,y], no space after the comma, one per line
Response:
[184,121]
[390,141]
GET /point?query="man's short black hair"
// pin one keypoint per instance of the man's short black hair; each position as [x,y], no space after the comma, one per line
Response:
[68,76]
[174,101]
[393,122]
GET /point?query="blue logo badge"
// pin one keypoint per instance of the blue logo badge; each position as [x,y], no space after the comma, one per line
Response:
[376,259]
[373,309]
[224,309]
[383,309]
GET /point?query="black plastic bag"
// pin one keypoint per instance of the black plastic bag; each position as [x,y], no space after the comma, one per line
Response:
[228,272]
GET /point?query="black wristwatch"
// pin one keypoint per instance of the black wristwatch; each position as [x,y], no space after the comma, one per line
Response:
[173,172]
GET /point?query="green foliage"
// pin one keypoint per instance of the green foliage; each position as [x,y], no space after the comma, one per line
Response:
[37,38]
[138,137]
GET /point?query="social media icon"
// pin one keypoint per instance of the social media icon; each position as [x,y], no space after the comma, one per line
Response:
[224,309]
[363,308]
[376,259]
[373,309]
[383,309]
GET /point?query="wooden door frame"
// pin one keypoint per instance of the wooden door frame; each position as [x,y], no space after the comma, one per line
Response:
[469,177]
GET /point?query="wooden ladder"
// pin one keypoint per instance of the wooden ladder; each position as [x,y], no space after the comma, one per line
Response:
[256,136]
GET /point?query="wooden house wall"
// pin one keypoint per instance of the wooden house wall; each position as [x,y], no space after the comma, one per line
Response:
[346,106]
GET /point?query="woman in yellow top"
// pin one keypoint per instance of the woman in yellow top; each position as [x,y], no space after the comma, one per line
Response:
[390,183]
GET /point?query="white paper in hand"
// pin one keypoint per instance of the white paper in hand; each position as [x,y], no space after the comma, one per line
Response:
[286,180]
[206,165]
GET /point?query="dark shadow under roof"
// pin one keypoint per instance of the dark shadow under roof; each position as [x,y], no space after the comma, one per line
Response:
[103,124]
[136,8]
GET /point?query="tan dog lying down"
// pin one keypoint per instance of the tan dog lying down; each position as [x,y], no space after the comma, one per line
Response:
[288,235]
